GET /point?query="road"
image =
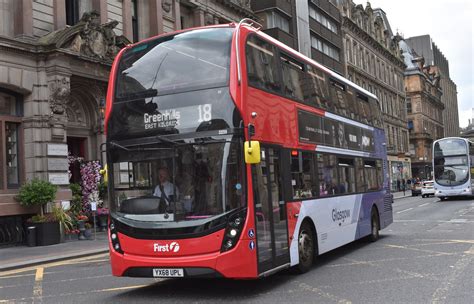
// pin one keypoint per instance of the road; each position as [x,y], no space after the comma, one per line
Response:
[425,256]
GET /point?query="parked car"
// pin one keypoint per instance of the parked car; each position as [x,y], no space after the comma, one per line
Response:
[416,188]
[427,188]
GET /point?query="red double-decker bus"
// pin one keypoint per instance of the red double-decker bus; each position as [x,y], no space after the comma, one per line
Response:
[231,155]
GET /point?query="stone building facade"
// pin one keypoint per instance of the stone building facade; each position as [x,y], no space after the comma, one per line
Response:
[55,57]
[374,62]
[313,27]
[425,110]
[468,132]
[424,46]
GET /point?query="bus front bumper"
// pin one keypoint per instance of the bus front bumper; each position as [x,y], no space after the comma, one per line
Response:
[239,262]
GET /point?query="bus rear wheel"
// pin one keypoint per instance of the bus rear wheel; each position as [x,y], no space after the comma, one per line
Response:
[305,248]
[374,226]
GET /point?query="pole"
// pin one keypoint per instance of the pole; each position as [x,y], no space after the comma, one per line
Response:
[95,226]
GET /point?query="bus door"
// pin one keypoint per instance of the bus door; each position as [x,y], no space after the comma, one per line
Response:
[270,211]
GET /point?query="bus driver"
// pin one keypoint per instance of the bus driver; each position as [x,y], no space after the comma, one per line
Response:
[165,190]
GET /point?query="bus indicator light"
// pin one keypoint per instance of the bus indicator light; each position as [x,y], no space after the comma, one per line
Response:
[252,245]
[251,233]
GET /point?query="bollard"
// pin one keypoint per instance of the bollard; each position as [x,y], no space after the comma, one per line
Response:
[31,236]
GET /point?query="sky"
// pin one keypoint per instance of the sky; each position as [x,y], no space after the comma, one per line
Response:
[450,25]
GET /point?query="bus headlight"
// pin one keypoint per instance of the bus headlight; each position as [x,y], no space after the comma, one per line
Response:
[235,223]
[114,237]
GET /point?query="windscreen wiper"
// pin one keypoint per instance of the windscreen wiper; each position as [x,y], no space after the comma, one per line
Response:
[137,95]
[113,143]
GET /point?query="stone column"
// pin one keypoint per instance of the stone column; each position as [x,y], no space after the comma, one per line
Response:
[101,7]
[23,18]
[177,16]
[127,19]
[59,14]
[50,130]
[199,17]
[156,17]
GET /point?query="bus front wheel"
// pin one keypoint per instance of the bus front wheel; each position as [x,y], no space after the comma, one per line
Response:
[305,247]
[374,226]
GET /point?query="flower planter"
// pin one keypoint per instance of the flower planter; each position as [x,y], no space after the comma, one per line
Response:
[103,219]
[47,233]
[88,234]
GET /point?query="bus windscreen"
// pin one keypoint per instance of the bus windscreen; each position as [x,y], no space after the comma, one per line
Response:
[182,62]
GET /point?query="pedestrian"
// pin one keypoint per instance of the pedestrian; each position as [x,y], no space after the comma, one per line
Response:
[398,184]
[404,184]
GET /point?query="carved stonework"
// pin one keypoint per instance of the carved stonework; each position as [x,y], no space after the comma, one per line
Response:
[59,96]
[88,38]
[166,5]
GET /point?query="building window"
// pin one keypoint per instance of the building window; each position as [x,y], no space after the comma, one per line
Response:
[72,12]
[324,47]
[277,20]
[10,141]
[325,21]
[135,20]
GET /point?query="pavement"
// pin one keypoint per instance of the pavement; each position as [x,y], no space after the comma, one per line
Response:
[24,256]
[401,194]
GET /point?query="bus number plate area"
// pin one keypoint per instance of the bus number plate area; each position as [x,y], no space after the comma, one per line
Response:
[168,273]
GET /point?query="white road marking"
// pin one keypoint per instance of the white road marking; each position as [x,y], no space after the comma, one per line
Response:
[424,204]
[404,210]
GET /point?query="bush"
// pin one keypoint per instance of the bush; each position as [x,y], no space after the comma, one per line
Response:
[37,193]
[47,218]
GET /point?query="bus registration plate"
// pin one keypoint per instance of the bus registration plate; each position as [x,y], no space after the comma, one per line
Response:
[168,273]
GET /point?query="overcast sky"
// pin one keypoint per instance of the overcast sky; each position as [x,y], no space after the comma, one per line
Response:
[450,25]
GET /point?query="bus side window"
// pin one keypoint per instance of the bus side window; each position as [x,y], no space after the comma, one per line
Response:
[315,90]
[262,69]
[346,176]
[293,77]
[361,181]
[327,174]
[303,175]
[338,97]
[379,174]
[370,173]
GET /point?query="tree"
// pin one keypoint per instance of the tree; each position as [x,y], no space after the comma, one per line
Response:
[37,193]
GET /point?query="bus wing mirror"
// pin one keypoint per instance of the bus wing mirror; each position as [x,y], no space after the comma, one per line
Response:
[252,152]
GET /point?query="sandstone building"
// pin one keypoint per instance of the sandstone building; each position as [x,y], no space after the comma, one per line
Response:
[55,57]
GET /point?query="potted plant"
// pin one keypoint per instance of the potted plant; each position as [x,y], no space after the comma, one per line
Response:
[81,225]
[39,193]
[103,215]
[64,219]
[88,231]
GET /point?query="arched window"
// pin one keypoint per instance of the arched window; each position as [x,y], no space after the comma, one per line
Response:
[10,140]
